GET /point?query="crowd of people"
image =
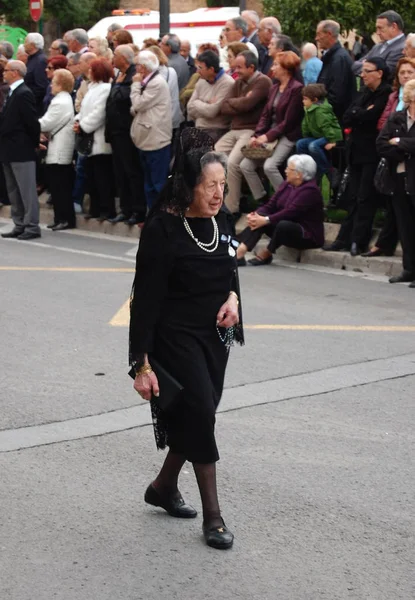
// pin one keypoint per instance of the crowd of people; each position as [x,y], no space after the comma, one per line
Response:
[102,117]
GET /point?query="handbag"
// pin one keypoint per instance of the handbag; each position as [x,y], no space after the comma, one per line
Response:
[170,388]
[383,179]
[84,142]
[259,152]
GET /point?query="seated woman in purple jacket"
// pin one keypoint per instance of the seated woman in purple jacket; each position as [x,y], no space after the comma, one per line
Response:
[292,217]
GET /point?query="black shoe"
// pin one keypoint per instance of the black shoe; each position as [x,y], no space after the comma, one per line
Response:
[175,505]
[241,262]
[412,284]
[26,235]
[104,217]
[404,277]
[61,227]
[51,226]
[258,262]
[119,219]
[377,252]
[336,247]
[133,220]
[218,537]
[11,234]
[354,249]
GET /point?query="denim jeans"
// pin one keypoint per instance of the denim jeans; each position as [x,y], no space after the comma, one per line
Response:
[155,164]
[315,148]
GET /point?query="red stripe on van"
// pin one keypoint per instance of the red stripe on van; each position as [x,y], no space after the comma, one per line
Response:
[157,25]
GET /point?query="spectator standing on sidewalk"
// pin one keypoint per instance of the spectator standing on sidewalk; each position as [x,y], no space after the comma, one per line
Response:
[170,44]
[19,138]
[118,119]
[36,78]
[313,64]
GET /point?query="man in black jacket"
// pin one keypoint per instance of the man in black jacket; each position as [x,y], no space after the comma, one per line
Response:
[36,78]
[336,73]
[127,167]
[19,137]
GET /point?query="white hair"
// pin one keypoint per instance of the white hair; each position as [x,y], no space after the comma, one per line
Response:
[103,48]
[36,39]
[21,49]
[310,48]
[272,24]
[147,59]
[411,38]
[19,66]
[253,15]
[304,164]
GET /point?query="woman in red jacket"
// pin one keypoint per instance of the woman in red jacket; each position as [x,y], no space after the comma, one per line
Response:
[280,120]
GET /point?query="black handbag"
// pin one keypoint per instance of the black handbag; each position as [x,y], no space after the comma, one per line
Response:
[170,388]
[84,142]
[383,179]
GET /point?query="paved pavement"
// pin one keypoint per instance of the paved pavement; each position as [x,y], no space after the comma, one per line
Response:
[316,433]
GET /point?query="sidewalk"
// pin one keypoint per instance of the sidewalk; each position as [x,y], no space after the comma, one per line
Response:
[385,265]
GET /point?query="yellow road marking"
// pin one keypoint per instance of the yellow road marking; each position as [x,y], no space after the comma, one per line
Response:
[73,269]
[122,317]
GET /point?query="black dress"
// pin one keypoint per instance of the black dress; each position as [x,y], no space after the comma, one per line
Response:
[178,291]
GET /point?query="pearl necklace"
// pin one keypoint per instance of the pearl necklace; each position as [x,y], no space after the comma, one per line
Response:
[202,246]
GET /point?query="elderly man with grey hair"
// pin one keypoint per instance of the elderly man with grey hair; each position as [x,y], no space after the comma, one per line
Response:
[151,129]
[118,120]
[77,40]
[19,138]
[7,49]
[110,33]
[293,217]
[313,64]
[36,78]
[252,19]
[268,27]
[170,44]
[236,30]
[336,73]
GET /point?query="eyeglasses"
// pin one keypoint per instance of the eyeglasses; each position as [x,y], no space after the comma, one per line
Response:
[48,68]
[366,71]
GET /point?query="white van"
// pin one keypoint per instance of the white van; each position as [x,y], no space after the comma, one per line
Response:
[198,26]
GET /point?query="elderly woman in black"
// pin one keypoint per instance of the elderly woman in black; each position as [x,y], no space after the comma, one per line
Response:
[184,314]
[396,143]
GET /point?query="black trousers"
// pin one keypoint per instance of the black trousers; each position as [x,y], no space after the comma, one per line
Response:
[101,185]
[357,227]
[284,233]
[60,180]
[404,206]
[129,176]
[388,236]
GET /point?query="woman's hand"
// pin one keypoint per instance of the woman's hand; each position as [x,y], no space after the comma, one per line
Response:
[228,314]
[252,142]
[255,221]
[262,139]
[76,127]
[394,141]
[147,385]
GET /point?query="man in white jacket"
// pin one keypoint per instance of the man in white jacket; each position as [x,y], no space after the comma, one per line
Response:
[151,129]
[211,89]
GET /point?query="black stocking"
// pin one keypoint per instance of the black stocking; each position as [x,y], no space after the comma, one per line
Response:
[206,480]
[166,481]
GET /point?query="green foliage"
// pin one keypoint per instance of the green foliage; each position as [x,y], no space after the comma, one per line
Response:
[299,18]
[16,11]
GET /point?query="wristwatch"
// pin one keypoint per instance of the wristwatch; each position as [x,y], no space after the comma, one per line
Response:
[267,218]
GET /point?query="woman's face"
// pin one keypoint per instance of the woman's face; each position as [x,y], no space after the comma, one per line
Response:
[231,58]
[278,71]
[49,71]
[406,73]
[272,48]
[208,194]
[293,176]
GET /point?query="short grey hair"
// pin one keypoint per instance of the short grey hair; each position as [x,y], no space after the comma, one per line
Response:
[253,15]
[330,26]
[148,59]
[411,38]
[304,164]
[211,158]
[240,24]
[310,48]
[127,52]
[19,66]
[79,35]
[36,39]
[21,49]
[272,24]
[173,41]
[114,27]
[75,59]
[7,49]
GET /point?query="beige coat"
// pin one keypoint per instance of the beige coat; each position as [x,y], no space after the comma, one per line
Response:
[151,128]
[206,101]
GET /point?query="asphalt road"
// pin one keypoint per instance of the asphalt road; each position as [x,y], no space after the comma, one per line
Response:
[316,434]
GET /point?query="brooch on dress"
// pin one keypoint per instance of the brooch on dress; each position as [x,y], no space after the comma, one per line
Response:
[232,244]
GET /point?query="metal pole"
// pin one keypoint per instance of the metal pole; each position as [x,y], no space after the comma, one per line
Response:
[164,17]
[242,5]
